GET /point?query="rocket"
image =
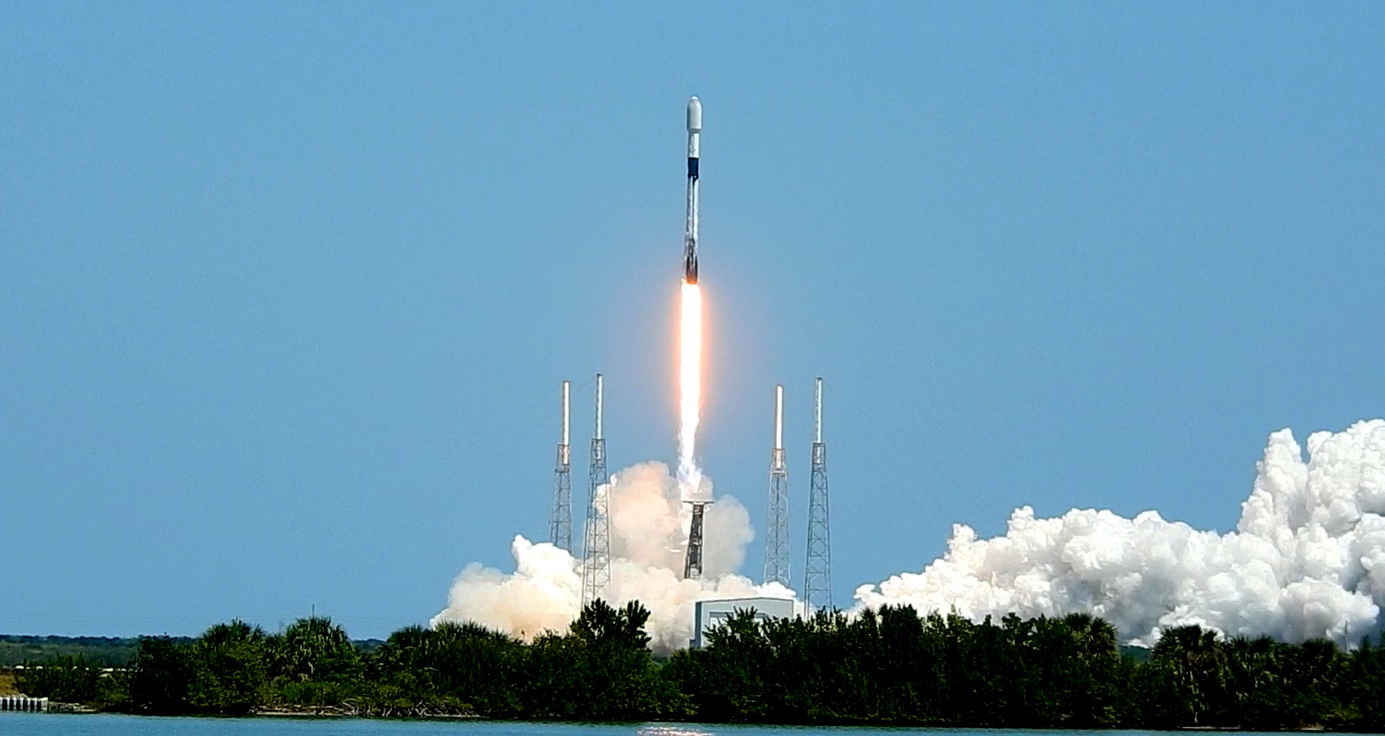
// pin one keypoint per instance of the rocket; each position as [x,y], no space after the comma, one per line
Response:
[690,235]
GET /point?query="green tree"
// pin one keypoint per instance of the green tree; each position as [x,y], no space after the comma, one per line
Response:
[159,677]
[230,669]
[910,666]
[600,670]
[1071,665]
[453,668]
[1191,662]
[1255,684]
[1365,693]
[313,650]
[728,677]
[314,664]
[1314,675]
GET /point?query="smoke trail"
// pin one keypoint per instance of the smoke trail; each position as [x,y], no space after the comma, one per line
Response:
[1307,559]
[690,388]
[649,530]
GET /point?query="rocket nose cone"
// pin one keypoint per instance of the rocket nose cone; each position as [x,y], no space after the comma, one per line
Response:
[694,115]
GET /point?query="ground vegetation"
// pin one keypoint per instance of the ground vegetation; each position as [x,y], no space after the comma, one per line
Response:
[890,666]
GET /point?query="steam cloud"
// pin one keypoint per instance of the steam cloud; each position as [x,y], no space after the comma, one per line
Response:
[649,532]
[1307,559]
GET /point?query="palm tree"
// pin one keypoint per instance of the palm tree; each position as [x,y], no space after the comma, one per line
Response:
[1194,658]
[313,649]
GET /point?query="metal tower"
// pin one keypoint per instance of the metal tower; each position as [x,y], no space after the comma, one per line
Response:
[817,578]
[560,523]
[692,567]
[596,568]
[777,527]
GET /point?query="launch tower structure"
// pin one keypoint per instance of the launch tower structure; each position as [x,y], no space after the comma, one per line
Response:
[777,527]
[560,523]
[692,566]
[817,577]
[596,553]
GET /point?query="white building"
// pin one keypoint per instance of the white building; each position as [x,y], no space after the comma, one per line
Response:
[710,613]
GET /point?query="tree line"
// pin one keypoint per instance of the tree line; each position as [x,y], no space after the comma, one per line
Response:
[891,666]
[107,651]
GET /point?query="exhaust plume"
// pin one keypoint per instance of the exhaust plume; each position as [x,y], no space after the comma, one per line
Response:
[689,388]
[649,531]
[1307,559]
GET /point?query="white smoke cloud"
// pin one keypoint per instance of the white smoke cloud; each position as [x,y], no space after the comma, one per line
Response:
[1307,558]
[649,533]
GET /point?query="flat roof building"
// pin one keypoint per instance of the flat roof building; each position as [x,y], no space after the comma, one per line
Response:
[711,613]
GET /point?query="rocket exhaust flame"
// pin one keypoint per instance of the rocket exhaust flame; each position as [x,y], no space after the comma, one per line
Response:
[689,388]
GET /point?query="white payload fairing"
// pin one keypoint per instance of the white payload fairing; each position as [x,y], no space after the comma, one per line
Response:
[690,235]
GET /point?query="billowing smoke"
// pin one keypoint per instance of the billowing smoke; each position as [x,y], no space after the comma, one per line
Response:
[649,531]
[1307,558]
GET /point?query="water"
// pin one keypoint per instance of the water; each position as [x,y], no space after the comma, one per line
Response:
[36,724]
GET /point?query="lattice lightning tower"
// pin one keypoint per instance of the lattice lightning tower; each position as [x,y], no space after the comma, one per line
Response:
[560,523]
[777,532]
[596,568]
[817,578]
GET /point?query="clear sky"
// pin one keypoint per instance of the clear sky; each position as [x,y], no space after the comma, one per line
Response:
[287,289]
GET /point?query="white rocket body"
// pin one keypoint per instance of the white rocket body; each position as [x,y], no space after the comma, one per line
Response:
[690,234]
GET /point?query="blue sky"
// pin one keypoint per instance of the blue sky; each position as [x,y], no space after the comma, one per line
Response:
[287,290]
